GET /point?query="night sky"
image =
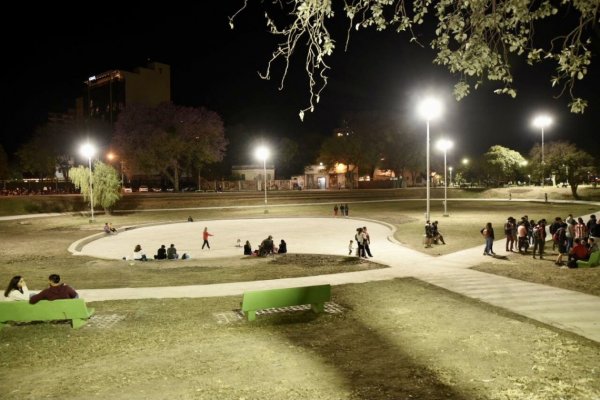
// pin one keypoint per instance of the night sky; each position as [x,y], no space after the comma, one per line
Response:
[46,60]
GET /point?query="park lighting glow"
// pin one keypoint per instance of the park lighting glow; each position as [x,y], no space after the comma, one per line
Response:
[88,150]
[429,108]
[542,121]
[262,153]
[465,161]
[445,145]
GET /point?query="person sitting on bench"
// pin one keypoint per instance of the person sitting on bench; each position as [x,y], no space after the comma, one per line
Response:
[54,291]
[17,289]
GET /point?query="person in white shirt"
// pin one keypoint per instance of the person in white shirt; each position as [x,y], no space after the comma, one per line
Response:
[17,289]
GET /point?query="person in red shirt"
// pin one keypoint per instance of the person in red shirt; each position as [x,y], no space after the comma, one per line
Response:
[205,236]
[54,291]
[578,251]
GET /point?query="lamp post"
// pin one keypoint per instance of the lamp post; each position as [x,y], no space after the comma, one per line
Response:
[262,153]
[542,121]
[88,151]
[450,169]
[429,109]
[445,145]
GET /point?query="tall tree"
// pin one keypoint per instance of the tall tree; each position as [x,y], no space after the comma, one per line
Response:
[503,163]
[344,149]
[4,168]
[106,184]
[476,40]
[565,160]
[38,157]
[169,139]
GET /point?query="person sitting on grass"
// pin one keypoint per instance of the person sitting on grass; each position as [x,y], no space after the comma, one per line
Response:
[54,291]
[282,247]
[17,289]
[247,249]
[266,247]
[172,252]
[161,254]
[138,254]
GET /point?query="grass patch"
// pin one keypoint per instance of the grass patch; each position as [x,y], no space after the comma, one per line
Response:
[396,339]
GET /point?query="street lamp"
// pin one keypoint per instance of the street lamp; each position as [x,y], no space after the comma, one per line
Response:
[87,150]
[429,109]
[542,121]
[445,145]
[262,153]
[450,169]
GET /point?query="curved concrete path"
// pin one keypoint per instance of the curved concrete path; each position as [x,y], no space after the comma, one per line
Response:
[572,311]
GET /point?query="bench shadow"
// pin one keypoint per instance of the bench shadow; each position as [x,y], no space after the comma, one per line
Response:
[372,366]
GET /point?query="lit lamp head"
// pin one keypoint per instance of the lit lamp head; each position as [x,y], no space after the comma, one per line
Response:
[430,108]
[110,156]
[88,150]
[262,153]
[450,169]
[444,145]
[465,161]
[542,121]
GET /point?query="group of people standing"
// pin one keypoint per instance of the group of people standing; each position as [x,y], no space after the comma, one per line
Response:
[432,234]
[572,237]
[363,241]
[343,209]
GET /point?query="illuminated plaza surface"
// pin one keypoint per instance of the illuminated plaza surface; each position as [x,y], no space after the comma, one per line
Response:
[565,309]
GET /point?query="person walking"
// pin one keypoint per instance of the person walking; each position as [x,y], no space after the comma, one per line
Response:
[335,210]
[350,247]
[342,210]
[488,234]
[346,209]
[205,236]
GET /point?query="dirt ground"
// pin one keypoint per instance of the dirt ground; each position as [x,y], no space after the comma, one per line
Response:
[399,339]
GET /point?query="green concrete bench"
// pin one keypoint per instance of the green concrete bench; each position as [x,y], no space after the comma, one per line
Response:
[44,310]
[316,296]
[592,262]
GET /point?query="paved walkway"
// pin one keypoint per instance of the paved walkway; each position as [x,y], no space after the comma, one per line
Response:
[565,309]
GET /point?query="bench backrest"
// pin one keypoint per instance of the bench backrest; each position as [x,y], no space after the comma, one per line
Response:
[44,310]
[261,299]
[594,258]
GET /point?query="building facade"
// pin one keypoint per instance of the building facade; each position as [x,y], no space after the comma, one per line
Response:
[108,93]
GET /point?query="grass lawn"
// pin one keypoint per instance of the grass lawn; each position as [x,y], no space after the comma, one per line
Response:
[396,339]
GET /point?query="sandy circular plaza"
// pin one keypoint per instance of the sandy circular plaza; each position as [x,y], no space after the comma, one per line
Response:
[302,235]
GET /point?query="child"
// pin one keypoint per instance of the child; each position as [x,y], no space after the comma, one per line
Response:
[350,248]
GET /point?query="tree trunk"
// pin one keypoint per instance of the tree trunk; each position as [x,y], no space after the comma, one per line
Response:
[574,190]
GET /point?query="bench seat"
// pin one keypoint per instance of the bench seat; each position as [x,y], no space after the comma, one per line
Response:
[21,311]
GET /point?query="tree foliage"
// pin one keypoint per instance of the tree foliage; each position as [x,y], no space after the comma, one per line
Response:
[564,160]
[106,184]
[4,167]
[503,164]
[478,40]
[371,140]
[169,139]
